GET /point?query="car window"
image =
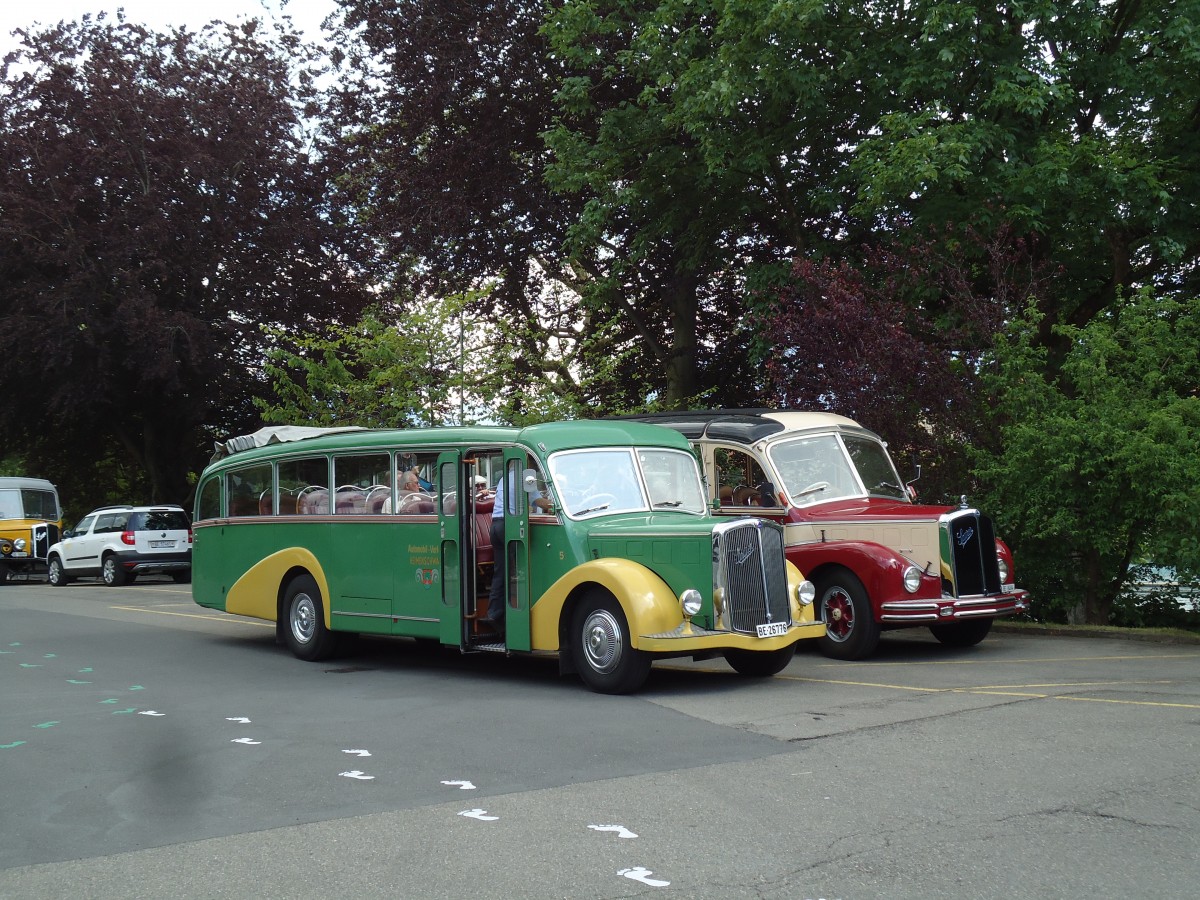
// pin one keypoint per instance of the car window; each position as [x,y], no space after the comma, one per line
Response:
[84,524]
[161,520]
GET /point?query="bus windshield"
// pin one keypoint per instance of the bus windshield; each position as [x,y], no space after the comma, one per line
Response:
[28,503]
[606,481]
[822,468]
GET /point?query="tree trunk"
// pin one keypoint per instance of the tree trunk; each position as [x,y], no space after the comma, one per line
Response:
[681,366]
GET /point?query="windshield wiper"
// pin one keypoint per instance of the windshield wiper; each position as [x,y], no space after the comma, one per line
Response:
[671,503]
[584,512]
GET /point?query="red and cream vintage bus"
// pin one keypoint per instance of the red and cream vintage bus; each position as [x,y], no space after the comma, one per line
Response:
[878,559]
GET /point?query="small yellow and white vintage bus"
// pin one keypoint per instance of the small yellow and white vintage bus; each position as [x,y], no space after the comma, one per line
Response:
[30,521]
[609,556]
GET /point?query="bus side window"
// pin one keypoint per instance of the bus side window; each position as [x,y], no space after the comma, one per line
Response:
[246,486]
[303,486]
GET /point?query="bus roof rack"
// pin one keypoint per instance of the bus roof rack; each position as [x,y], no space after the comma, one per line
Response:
[273,434]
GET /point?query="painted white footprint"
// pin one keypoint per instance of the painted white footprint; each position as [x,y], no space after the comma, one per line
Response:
[480,814]
[356,773]
[642,874]
[461,785]
[620,830]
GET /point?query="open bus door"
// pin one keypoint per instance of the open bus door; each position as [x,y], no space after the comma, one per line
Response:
[451,499]
[516,549]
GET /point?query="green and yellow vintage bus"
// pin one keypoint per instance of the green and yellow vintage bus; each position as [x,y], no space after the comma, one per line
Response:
[609,555]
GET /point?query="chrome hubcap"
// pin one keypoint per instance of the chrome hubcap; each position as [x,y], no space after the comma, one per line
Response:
[304,618]
[602,641]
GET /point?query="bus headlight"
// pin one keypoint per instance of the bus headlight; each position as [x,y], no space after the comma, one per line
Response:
[690,602]
[1004,573]
[912,579]
[806,593]
[19,543]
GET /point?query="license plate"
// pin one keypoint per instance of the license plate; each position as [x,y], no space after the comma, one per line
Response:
[1007,588]
[160,545]
[772,629]
[21,553]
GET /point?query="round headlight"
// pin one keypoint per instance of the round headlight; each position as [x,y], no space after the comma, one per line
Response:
[1003,569]
[912,579]
[806,593]
[19,543]
[690,602]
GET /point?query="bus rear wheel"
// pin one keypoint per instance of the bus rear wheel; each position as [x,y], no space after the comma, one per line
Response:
[604,657]
[306,634]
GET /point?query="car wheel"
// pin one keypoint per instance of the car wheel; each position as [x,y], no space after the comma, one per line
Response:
[111,572]
[760,663]
[306,633]
[604,657]
[851,631]
[55,573]
[182,577]
[962,634]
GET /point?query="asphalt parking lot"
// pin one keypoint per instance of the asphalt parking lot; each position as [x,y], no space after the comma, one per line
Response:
[149,747]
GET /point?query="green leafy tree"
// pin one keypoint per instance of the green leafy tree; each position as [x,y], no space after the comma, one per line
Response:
[431,362]
[157,202]
[1071,123]
[1098,464]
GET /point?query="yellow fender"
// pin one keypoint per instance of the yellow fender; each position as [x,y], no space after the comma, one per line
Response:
[256,593]
[650,607]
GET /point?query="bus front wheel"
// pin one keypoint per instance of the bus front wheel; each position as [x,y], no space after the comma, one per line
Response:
[604,657]
[306,633]
[760,663]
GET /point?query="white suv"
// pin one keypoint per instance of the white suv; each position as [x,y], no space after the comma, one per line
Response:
[119,543]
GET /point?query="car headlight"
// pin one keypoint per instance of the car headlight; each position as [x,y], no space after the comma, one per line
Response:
[690,602]
[1004,573]
[912,579]
[806,593]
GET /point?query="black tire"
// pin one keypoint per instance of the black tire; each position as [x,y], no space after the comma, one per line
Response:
[130,577]
[604,657]
[5,573]
[304,625]
[851,631]
[111,572]
[962,634]
[55,573]
[181,577]
[760,663]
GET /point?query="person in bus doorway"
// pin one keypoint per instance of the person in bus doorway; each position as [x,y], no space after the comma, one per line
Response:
[496,596]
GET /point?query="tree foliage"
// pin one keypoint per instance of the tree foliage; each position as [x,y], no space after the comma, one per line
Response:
[1097,465]
[896,340]
[156,204]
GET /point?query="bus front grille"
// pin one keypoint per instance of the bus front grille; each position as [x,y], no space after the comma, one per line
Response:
[749,575]
[969,545]
[43,537]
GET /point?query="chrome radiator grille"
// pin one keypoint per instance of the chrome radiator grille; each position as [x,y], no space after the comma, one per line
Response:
[969,543]
[749,574]
[43,537]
